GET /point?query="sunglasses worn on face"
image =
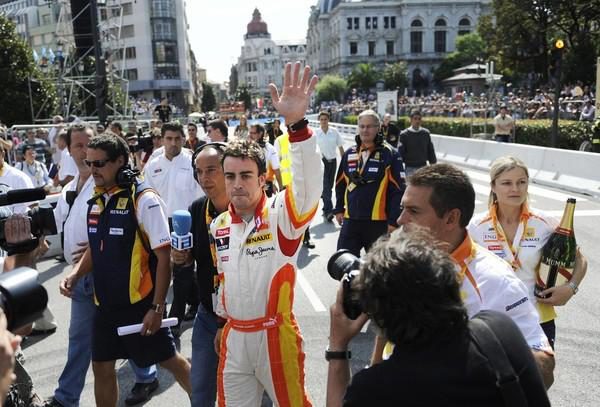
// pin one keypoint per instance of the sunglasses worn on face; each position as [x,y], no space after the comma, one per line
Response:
[97,163]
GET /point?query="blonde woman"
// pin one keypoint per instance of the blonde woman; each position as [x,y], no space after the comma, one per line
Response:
[241,130]
[517,233]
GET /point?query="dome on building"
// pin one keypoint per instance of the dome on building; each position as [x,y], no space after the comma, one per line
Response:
[326,6]
[257,26]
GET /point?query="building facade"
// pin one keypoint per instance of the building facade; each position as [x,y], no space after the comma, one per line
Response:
[342,33]
[145,42]
[262,58]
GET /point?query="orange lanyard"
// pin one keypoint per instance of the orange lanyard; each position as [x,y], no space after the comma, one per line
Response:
[501,236]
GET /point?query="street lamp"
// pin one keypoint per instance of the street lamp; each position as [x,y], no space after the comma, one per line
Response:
[557,55]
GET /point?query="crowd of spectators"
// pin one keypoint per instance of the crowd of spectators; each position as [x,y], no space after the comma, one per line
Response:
[576,103]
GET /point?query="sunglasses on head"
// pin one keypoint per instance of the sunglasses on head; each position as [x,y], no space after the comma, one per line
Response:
[96,163]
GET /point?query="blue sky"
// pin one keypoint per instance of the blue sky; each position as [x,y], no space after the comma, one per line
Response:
[216,28]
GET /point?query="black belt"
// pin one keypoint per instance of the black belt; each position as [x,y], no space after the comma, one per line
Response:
[328,160]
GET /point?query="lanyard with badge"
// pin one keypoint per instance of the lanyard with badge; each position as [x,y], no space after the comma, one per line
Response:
[512,252]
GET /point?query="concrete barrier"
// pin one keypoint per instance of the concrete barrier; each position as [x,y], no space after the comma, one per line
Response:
[569,170]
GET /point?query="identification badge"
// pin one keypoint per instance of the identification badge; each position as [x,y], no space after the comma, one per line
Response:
[116,231]
[351,187]
[122,203]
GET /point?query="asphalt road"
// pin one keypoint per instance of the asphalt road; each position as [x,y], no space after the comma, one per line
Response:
[578,327]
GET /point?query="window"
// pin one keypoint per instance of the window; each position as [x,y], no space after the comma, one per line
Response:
[356,23]
[127,9]
[130,52]
[440,36]
[115,11]
[389,47]
[464,26]
[165,52]
[131,74]
[127,31]
[374,19]
[416,37]
[393,22]
[353,48]
[416,42]
[164,30]
[46,19]
[349,21]
[386,22]
[371,48]
[103,14]
[166,71]
[368,23]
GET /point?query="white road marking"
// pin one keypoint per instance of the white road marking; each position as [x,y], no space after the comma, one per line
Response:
[310,293]
[578,213]
[365,327]
[533,189]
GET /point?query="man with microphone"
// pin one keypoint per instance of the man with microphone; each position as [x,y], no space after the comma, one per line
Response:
[171,175]
[209,174]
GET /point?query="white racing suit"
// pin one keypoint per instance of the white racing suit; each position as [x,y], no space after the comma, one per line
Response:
[261,346]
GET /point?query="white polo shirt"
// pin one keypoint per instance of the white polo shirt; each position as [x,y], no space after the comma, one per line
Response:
[75,221]
[173,180]
[329,142]
[11,178]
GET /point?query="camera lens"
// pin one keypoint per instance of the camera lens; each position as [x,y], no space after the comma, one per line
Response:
[342,262]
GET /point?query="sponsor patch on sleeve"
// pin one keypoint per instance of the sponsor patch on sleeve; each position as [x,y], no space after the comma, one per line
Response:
[116,231]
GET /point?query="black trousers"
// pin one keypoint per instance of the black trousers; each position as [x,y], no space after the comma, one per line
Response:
[358,234]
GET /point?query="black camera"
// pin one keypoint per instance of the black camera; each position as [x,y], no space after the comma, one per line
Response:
[344,266]
[22,297]
[41,219]
[144,143]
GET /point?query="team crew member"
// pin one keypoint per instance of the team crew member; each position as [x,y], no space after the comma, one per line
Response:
[71,217]
[517,233]
[328,140]
[369,187]
[171,174]
[35,170]
[217,131]
[257,133]
[415,145]
[209,174]
[441,198]
[129,248]
[256,245]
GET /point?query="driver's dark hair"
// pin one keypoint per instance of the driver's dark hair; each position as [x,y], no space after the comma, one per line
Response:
[246,149]
[114,146]
[172,126]
[409,287]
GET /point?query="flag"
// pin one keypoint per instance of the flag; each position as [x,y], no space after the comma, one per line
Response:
[51,55]
[36,57]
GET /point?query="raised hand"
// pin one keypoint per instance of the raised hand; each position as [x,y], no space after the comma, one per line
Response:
[295,93]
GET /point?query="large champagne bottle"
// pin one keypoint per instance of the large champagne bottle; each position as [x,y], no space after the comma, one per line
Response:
[558,255]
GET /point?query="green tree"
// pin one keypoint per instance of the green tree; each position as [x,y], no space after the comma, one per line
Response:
[330,88]
[520,35]
[395,75]
[209,102]
[364,77]
[243,95]
[17,74]
[469,47]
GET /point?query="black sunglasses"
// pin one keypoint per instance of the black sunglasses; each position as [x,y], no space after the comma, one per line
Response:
[96,163]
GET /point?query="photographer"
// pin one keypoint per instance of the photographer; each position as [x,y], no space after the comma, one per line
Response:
[17,232]
[408,287]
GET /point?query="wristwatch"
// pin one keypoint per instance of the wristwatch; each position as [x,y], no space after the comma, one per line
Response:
[573,287]
[299,125]
[158,308]
[337,355]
